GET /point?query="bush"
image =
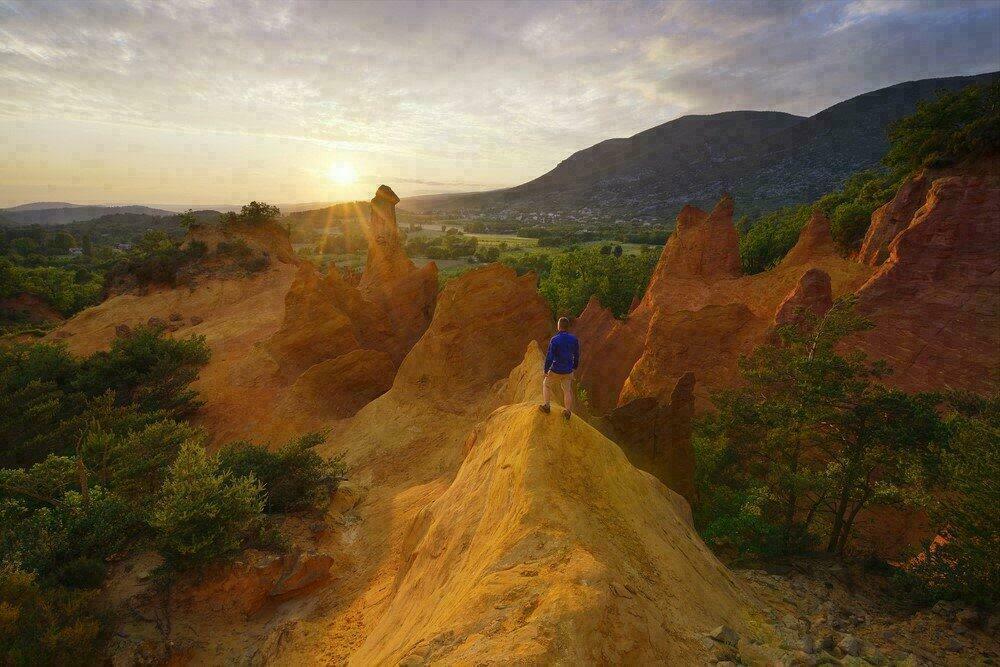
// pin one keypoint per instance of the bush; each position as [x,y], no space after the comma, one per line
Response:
[61,288]
[294,477]
[820,432]
[965,563]
[48,626]
[51,540]
[765,242]
[148,370]
[205,514]
[954,127]
[578,274]
[849,223]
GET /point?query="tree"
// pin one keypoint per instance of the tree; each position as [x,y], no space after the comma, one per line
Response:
[254,213]
[204,514]
[187,219]
[820,431]
[956,126]
[963,503]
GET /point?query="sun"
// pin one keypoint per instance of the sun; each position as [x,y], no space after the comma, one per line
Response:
[342,173]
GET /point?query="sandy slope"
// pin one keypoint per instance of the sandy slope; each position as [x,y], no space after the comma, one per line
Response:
[550,547]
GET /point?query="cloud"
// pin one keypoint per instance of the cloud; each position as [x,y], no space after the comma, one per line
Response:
[503,89]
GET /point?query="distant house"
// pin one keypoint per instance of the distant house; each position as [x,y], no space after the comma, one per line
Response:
[76,252]
[124,247]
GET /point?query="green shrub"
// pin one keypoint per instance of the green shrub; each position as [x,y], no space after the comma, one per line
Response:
[820,432]
[48,626]
[849,222]
[766,241]
[149,370]
[577,274]
[205,514]
[954,127]
[965,508]
[134,465]
[294,477]
[45,539]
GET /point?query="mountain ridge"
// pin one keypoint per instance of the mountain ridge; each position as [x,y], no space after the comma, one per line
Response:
[766,158]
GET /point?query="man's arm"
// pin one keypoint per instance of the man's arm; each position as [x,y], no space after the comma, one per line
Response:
[548,358]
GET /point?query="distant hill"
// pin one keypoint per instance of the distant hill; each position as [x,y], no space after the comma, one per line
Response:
[766,159]
[29,214]
[39,205]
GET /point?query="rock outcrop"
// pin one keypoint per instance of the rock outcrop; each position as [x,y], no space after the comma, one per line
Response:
[404,294]
[341,386]
[935,301]
[814,244]
[813,294]
[699,314]
[893,217]
[656,435]
[482,323]
[340,344]
[318,323]
[705,246]
[535,554]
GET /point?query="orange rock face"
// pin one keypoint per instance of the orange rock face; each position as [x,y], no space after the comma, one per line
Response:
[656,436]
[704,246]
[341,386]
[699,314]
[484,320]
[935,302]
[892,218]
[317,325]
[404,294]
[813,293]
[342,342]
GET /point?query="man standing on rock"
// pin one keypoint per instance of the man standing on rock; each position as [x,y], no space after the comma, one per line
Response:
[560,362]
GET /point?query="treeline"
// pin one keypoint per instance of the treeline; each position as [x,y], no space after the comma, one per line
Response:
[568,279]
[453,244]
[813,438]
[567,235]
[956,127]
[96,460]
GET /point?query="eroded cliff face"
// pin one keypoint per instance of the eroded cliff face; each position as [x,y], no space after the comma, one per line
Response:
[935,301]
[339,345]
[699,315]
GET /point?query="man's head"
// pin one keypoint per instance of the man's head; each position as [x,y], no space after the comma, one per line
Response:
[563,324]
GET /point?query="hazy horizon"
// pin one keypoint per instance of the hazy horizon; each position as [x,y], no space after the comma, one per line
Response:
[205,103]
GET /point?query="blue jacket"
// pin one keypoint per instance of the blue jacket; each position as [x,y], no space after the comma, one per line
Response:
[564,353]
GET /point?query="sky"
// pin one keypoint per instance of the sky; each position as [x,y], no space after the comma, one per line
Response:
[215,102]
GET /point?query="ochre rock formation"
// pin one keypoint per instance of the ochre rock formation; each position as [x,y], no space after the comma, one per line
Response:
[814,244]
[699,314]
[656,435]
[706,246]
[341,386]
[404,294]
[935,302]
[483,320]
[814,294]
[349,331]
[536,554]
[317,325]
[893,217]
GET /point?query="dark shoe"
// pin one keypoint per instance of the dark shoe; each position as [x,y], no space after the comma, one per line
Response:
[567,414]
[544,407]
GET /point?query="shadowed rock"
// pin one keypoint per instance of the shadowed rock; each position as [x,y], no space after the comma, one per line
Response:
[656,435]
[813,294]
